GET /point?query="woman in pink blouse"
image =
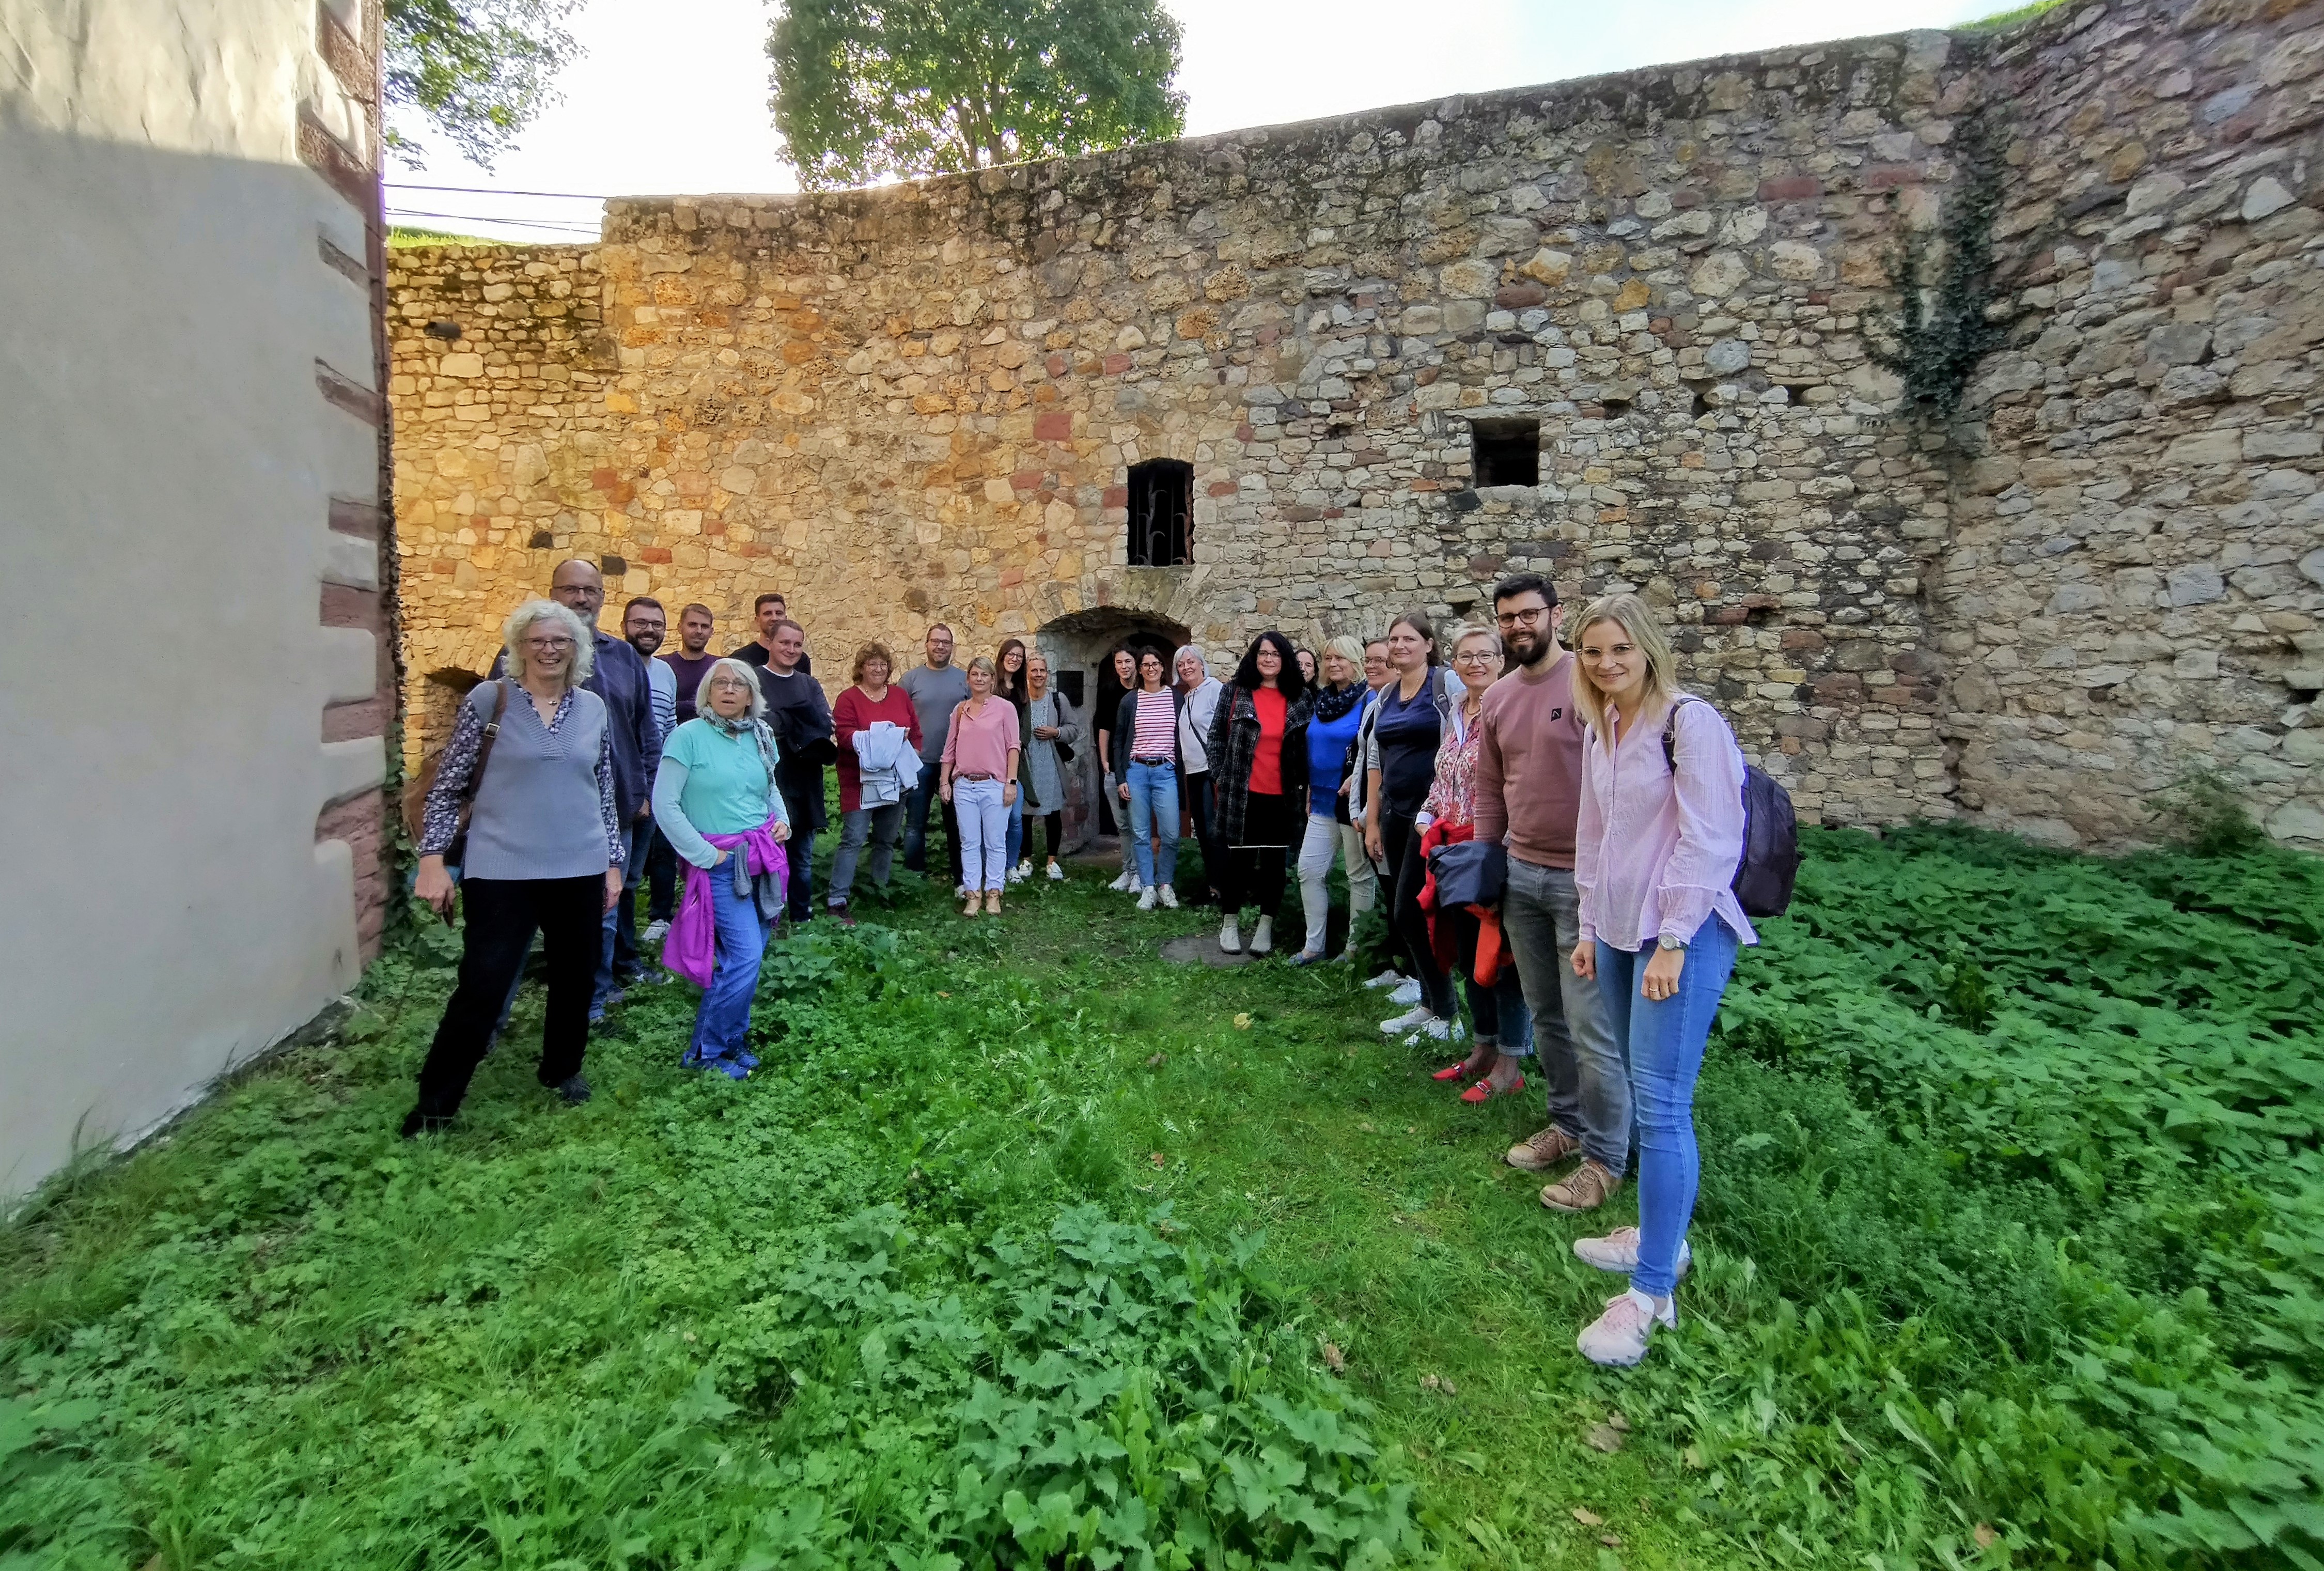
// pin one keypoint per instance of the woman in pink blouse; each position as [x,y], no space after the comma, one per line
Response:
[1660,833]
[980,751]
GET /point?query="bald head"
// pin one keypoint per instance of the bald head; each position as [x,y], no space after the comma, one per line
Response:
[579,587]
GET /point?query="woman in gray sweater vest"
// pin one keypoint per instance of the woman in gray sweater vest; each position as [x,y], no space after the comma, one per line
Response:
[542,849]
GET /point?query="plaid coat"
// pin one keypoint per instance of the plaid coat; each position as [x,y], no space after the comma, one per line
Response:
[1233,743]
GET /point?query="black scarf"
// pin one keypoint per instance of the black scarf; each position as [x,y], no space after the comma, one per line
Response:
[1333,703]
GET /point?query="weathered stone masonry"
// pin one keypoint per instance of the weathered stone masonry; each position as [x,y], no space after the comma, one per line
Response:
[922,401]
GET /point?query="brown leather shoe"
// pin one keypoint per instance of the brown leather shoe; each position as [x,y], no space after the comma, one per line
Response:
[1585,1189]
[1544,1151]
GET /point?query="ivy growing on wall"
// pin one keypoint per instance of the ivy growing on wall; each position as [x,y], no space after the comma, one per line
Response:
[1942,325]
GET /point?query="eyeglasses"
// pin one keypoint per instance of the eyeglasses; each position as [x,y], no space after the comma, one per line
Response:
[729,685]
[1530,615]
[547,644]
[1476,657]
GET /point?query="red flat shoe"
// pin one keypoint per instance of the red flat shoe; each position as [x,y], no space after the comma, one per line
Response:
[1484,1091]
[1452,1071]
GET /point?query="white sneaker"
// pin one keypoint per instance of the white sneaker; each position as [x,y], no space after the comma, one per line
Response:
[1262,942]
[1420,1018]
[655,932]
[1618,1251]
[1025,868]
[959,891]
[1169,899]
[1441,1030]
[1388,978]
[1146,899]
[1618,1337]
[1056,874]
[1407,991]
[1020,873]
[1125,880]
[1231,937]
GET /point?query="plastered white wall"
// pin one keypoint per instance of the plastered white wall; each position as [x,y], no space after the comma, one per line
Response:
[166,468]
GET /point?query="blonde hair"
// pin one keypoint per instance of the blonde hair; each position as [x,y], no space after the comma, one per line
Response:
[1629,614]
[520,622]
[983,662]
[1469,629]
[1349,648]
[728,663]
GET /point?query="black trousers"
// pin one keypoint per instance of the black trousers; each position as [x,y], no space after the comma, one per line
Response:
[661,878]
[1401,844]
[502,915]
[1253,874]
[1052,825]
[1194,792]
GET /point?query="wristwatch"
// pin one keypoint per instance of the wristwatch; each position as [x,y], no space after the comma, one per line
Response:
[1667,942]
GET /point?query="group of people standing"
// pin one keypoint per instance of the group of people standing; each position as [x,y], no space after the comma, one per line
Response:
[1589,924]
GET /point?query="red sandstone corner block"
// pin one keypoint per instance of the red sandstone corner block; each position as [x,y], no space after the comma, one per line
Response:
[1115,365]
[1055,425]
[1887,177]
[1010,578]
[1220,488]
[1115,496]
[1791,188]
[653,555]
[1030,479]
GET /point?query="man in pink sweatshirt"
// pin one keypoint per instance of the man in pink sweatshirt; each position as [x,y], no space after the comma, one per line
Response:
[1528,796]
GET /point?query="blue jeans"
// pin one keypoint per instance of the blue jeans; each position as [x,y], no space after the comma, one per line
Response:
[1154,819]
[857,827]
[1584,1066]
[623,916]
[722,1025]
[915,822]
[1017,830]
[1665,1038]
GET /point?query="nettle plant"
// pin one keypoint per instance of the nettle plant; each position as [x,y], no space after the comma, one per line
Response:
[1110,1399]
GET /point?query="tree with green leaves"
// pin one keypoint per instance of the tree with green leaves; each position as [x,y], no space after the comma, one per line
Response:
[867,90]
[479,70]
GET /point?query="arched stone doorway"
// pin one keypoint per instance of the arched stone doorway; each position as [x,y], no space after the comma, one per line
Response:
[1079,646]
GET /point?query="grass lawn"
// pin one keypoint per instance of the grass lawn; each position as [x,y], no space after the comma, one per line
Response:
[1025,1247]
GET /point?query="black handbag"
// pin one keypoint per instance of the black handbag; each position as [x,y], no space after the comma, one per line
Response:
[1469,873]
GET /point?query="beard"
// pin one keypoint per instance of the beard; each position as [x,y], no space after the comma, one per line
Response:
[1526,648]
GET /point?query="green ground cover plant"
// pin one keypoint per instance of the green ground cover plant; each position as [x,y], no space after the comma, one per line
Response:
[1027,1248]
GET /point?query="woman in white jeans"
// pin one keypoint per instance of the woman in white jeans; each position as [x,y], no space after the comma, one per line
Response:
[1331,743]
[981,747]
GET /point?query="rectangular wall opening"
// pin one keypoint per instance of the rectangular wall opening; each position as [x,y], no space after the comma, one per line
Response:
[1161,514]
[1504,452]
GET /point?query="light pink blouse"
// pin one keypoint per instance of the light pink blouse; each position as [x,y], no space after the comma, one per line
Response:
[1655,855]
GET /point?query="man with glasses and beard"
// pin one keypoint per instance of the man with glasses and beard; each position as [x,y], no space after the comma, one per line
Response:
[1528,799]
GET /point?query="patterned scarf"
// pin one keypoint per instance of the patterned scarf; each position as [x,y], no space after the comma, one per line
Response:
[1333,703]
[758,731]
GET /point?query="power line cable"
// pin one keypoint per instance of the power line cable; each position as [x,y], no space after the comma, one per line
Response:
[490,192]
[488,218]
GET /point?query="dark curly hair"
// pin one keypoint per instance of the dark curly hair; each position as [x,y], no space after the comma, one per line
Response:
[1289,681]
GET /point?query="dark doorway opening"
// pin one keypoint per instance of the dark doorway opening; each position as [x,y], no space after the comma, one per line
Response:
[1161,514]
[1504,452]
[1080,647]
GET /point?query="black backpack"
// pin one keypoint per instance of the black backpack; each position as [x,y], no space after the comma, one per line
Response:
[1771,833]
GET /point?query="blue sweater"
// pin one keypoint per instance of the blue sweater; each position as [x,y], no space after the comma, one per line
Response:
[1328,742]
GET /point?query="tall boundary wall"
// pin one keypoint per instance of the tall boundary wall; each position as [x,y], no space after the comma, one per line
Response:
[922,402]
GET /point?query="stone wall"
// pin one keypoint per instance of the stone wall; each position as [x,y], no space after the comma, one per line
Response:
[921,403]
[2137,549]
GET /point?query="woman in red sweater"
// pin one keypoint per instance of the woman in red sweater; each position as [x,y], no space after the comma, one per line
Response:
[1258,749]
[875,773]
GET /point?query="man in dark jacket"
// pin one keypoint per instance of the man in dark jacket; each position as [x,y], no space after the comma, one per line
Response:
[800,717]
[618,675]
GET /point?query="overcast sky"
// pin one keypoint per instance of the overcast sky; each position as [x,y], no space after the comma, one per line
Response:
[671,96]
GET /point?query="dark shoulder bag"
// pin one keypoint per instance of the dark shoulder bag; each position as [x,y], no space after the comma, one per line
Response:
[1771,835]
[415,794]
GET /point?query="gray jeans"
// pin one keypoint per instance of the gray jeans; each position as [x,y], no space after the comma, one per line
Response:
[1586,1069]
[881,826]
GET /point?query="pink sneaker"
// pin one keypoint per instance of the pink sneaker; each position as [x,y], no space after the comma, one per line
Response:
[1618,1337]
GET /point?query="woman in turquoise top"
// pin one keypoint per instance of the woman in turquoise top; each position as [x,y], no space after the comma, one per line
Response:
[1330,738]
[715,791]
